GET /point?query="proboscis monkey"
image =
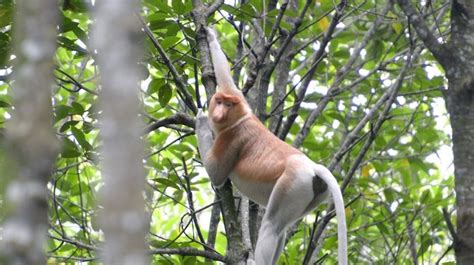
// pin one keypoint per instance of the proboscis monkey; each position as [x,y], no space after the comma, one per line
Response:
[264,168]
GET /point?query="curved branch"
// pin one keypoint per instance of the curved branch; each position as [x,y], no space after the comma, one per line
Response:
[176,119]
[212,8]
[188,251]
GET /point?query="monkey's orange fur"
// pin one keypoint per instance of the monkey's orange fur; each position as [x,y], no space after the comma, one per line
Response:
[262,156]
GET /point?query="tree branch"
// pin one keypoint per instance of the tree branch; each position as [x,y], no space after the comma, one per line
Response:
[177,118]
[187,251]
[450,225]
[339,77]
[439,50]
[187,97]
[213,222]
[391,96]
[213,8]
[235,248]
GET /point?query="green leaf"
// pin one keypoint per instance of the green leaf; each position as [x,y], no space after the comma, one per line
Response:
[425,245]
[76,6]
[61,112]
[169,41]
[162,6]
[375,49]
[6,17]
[4,47]
[87,127]
[4,104]
[189,260]
[81,139]
[69,149]
[67,125]
[71,45]
[178,7]
[383,228]
[390,194]
[159,24]
[155,85]
[164,95]
[77,108]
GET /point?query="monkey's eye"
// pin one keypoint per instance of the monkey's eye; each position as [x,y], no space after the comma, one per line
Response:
[228,104]
[218,102]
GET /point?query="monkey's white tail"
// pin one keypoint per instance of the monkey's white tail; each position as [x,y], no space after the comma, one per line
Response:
[333,186]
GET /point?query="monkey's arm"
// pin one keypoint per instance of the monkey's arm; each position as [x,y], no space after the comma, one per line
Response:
[218,164]
[221,160]
[221,66]
[204,134]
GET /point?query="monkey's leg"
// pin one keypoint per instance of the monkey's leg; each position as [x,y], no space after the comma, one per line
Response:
[268,243]
[280,247]
[289,199]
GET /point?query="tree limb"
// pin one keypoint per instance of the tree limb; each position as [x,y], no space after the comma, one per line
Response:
[177,118]
[182,87]
[439,50]
[188,251]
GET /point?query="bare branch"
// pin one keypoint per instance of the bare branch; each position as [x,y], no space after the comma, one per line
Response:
[450,225]
[75,82]
[76,243]
[262,55]
[213,222]
[190,252]
[212,8]
[245,220]
[177,118]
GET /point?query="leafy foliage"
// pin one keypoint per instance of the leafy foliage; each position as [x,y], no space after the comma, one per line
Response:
[398,186]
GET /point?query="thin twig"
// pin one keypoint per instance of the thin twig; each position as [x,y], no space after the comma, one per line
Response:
[182,87]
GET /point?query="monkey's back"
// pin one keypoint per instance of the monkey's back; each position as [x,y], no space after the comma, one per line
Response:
[263,156]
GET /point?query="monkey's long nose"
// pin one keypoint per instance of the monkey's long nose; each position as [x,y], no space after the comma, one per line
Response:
[218,117]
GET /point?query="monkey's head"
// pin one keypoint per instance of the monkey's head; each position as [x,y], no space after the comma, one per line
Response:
[226,109]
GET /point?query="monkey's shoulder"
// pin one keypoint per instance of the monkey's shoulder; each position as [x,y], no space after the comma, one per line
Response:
[258,136]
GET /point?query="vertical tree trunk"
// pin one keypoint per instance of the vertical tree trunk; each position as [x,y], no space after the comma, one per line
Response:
[457,59]
[30,139]
[235,247]
[461,111]
[117,36]
[460,104]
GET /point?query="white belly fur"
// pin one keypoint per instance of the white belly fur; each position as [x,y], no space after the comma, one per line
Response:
[257,192]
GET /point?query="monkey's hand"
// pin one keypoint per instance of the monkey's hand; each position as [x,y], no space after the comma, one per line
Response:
[201,121]
[204,134]
[211,34]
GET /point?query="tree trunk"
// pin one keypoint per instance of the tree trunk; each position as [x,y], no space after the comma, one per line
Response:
[460,105]
[235,247]
[457,59]
[32,145]
[124,221]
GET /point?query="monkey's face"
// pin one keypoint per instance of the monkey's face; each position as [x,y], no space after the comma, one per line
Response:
[225,110]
